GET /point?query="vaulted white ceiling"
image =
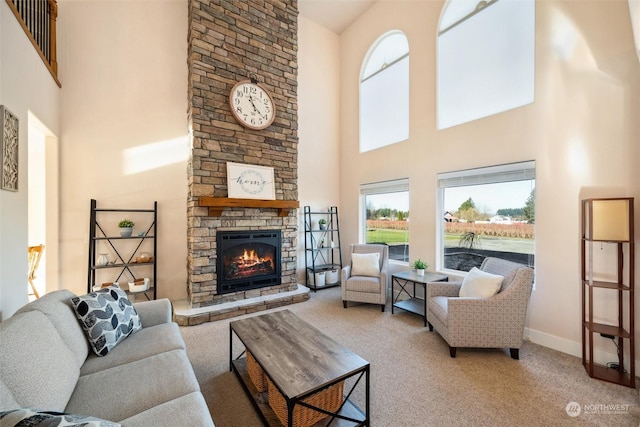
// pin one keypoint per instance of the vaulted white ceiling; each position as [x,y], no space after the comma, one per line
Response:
[335,15]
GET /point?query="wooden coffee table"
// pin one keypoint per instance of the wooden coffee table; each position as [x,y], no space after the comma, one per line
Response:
[300,361]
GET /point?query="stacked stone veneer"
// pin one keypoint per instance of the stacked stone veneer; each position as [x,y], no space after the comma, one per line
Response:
[231,41]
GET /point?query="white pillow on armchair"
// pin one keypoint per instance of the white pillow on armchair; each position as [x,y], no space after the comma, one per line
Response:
[480,284]
[365,264]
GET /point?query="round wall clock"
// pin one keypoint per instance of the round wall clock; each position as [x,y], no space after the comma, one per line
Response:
[251,105]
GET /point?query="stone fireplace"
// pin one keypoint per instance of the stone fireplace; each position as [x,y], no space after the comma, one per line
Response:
[230,41]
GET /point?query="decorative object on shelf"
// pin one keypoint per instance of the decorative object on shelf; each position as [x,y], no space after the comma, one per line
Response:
[332,276]
[102,260]
[608,264]
[144,257]
[139,285]
[319,279]
[322,224]
[250,181]
[9,149]
[420,266]
[126,227]
[252,105]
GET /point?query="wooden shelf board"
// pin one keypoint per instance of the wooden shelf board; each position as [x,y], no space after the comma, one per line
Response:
[608,285]
[217,204]
[611,375]
[601,328]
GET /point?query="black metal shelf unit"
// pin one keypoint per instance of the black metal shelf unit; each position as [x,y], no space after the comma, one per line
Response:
[323,255]
[126,250]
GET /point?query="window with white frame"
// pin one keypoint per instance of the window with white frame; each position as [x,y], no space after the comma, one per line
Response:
[384,92]
[385,214]
[486,212]
[486,59]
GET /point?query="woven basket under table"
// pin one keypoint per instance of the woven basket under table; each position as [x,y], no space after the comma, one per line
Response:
[328,399]
[258,378]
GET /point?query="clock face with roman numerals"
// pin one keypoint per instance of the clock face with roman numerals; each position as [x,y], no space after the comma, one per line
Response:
[252,105]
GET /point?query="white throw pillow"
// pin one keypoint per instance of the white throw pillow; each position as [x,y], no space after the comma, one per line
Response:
[478,283]
[365,264]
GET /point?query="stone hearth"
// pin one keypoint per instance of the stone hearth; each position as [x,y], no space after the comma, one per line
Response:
[185,315]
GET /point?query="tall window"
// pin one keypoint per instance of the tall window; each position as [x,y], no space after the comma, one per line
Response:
[384,92]
[385,213]
[485,59]
[487,212]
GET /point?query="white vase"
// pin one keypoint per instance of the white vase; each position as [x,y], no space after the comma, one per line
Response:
[102,260]
[126,231]
[420,271]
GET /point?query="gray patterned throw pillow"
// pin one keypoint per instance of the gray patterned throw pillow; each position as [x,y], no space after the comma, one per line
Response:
[25,417]
[107,316]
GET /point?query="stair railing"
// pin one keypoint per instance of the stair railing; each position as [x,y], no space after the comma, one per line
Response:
[38,20]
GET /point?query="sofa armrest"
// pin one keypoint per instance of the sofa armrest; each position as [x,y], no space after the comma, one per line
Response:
[154,312]
[443,289]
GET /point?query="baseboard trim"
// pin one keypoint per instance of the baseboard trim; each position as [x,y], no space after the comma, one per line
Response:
[567,346]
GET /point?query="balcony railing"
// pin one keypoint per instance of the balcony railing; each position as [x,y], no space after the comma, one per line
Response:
[38,20]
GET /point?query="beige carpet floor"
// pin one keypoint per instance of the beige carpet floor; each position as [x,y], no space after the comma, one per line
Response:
[414,382]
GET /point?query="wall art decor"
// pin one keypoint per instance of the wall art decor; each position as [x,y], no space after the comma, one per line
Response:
[250,181]
[9,153]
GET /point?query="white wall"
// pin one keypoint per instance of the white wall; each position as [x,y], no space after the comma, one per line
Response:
[25,86]
[124,123]
[318,123]
[582,131]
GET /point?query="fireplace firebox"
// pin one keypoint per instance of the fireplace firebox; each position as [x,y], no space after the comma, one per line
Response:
[248,260]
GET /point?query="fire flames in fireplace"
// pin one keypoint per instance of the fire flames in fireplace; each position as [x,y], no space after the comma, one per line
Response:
[248,264]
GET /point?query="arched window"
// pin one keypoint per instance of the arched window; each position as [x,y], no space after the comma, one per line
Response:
[485,59]
[384,92]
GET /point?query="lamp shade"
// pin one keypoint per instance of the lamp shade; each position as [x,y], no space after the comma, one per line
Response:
[609,219]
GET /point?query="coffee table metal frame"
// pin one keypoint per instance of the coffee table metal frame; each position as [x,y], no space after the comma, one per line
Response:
[413,304]
[349,414]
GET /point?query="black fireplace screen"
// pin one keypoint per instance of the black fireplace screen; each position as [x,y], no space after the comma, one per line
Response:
[248,260]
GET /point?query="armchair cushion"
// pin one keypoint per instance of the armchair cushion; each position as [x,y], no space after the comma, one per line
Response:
[480,284]
[365,264]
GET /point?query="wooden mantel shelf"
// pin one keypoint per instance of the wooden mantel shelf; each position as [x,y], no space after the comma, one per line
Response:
[217,204]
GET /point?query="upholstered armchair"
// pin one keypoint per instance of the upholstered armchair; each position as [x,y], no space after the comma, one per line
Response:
[491,321]
[366,279]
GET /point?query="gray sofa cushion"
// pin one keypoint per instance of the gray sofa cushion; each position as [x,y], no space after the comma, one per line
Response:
[126,390]
[41,371]
[154,312]
[6,398]
[187,410]
[148,342]
[57,307]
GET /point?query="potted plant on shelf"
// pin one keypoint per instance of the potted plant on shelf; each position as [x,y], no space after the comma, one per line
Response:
[420,266]
[126,227]
[322,223]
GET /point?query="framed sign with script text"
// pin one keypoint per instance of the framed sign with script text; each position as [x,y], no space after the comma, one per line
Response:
[250,182]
